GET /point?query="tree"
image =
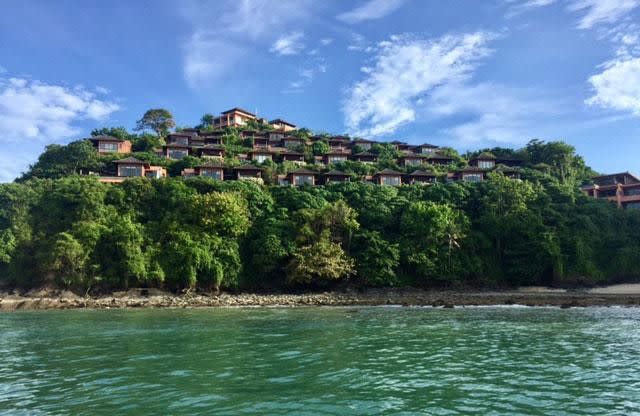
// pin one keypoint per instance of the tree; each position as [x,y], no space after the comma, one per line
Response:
[376,259]
[319,263]
[58,161]
[68,259]
[157,119]
[117,132]
[432,233]
[207,120]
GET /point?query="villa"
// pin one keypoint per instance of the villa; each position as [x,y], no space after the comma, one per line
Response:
[622,188]
[109,144]
[278,142]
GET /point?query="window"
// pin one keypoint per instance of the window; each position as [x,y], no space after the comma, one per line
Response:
[390,180]
[177,153]
[261,158]
[211,173]
[486,164]
[472,177]
[337,159]
[633,205]
[180,140]
[632,191]
[154,174]
[130,170]
[107,147]
[303,179]
[427,150]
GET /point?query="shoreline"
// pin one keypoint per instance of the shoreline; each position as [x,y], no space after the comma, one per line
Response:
[373,297]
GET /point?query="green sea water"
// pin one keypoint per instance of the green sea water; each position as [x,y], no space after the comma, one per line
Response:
[321,361]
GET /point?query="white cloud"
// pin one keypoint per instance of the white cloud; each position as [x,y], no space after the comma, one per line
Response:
[494,113]
[617,87]
[326,41]
[371,10]
[594,12]
[406,70]
[226,34]
[601,11]
[35,110]
[517,6]
[102,90]
[289,44]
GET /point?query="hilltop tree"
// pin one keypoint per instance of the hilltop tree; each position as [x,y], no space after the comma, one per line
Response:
[207,120]
[157,119]
[117,132]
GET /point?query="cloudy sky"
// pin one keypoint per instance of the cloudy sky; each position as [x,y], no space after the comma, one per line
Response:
[462,73]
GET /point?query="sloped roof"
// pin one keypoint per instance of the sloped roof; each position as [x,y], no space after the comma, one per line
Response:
[335,172]
[304,171]
[472,169]
[421,173]
[366,154]
[281,121]
[388,171]
[439,156]
[238,109]
[105,138]
[247,167]
[211,164]
[485,156]
[131,160]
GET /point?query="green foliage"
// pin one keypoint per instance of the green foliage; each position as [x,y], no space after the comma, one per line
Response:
[157,119]
[117,132]
[61,161]
[376,259]
[65,230]
[319,263]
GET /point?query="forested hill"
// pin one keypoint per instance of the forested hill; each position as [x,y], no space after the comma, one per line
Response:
[72,231]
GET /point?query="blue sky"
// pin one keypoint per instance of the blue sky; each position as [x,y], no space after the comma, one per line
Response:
[460,73]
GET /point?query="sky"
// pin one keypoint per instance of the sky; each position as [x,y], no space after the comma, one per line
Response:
[461,73]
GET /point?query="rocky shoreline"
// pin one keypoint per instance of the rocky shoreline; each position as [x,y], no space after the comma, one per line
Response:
[150,298]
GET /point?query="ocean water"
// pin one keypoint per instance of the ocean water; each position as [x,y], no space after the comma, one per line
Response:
[321,361]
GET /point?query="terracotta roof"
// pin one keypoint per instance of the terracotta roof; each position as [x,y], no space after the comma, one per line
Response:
[131,160]
[239,110]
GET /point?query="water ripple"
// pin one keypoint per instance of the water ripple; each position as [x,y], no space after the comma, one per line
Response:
[321,361]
